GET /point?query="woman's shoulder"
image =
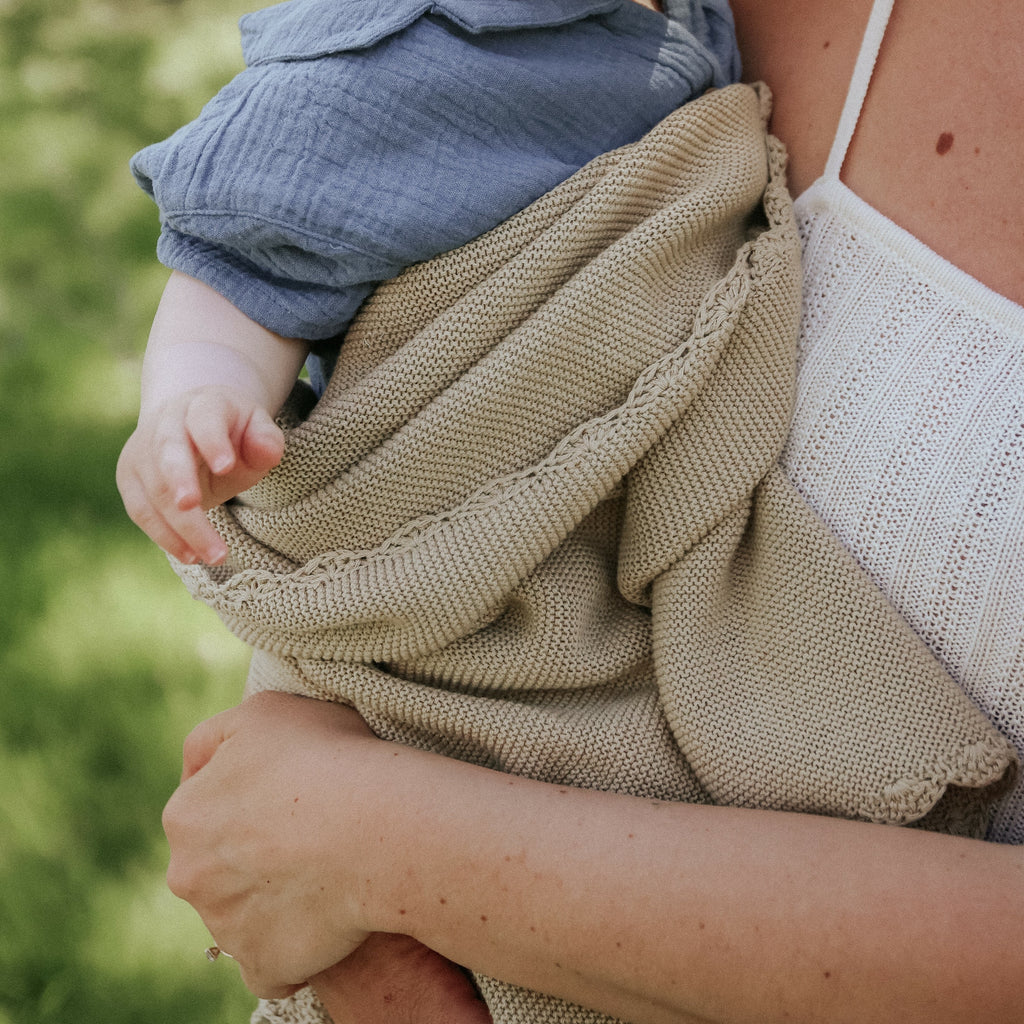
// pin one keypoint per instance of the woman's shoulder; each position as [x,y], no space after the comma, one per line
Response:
[805,51]
[936,149]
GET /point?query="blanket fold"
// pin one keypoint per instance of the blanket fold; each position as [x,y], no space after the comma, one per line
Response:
[536,521]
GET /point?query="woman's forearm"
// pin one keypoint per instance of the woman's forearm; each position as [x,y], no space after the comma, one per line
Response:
[665,912]
[296,833]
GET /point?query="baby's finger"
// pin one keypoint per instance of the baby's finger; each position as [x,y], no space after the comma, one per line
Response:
[210,423]
[192,525]
[262,443]
[196,531]
[175,492]
[174,481]
[148,519]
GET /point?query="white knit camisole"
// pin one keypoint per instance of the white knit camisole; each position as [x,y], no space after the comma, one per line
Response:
[908,436]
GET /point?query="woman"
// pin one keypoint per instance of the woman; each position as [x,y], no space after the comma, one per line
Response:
[922,326]
[672,912]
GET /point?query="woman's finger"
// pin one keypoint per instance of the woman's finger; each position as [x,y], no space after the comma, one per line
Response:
[202,742]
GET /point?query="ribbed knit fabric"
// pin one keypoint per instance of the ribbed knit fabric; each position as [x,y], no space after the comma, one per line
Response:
[536,521]
[908,434]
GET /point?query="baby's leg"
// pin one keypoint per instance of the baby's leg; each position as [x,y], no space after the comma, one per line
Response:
[395,979]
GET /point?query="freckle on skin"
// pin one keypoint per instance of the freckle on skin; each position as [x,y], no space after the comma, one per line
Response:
[443,901]
[828,43]
[945,143]
[828,974]
[483,917]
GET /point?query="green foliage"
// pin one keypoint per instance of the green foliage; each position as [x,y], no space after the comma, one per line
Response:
[104,661]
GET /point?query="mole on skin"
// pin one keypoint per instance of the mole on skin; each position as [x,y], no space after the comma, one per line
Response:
[945,143]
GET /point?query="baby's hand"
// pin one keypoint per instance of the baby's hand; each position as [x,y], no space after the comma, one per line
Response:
[393,979]
[195,451]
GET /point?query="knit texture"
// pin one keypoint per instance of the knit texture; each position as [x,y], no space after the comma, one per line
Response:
[908,438]
[537,523]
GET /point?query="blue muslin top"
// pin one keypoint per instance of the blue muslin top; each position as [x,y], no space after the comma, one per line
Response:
[367,135]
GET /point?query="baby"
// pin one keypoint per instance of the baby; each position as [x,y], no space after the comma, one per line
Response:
[363,138]
[360,139]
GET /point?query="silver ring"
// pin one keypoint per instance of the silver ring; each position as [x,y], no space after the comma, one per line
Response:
[213,952]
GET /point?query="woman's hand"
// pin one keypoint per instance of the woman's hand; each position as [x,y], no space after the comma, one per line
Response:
[296,833]
[255,847]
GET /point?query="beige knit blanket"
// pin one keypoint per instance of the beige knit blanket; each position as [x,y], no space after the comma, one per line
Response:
[536,520]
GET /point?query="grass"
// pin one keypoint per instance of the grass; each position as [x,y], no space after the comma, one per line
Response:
[104,661]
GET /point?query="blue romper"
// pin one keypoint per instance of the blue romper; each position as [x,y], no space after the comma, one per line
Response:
[367,135]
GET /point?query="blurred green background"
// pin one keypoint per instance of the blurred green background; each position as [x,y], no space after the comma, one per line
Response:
[105,663]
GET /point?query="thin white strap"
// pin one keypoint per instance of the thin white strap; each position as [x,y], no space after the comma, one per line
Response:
[862,72]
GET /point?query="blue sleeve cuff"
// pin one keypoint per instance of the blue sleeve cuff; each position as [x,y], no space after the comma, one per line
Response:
[293,309]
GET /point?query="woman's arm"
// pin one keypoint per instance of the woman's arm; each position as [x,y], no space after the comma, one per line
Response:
[296,833]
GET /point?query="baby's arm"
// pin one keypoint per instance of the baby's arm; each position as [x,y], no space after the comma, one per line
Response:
[212,380]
